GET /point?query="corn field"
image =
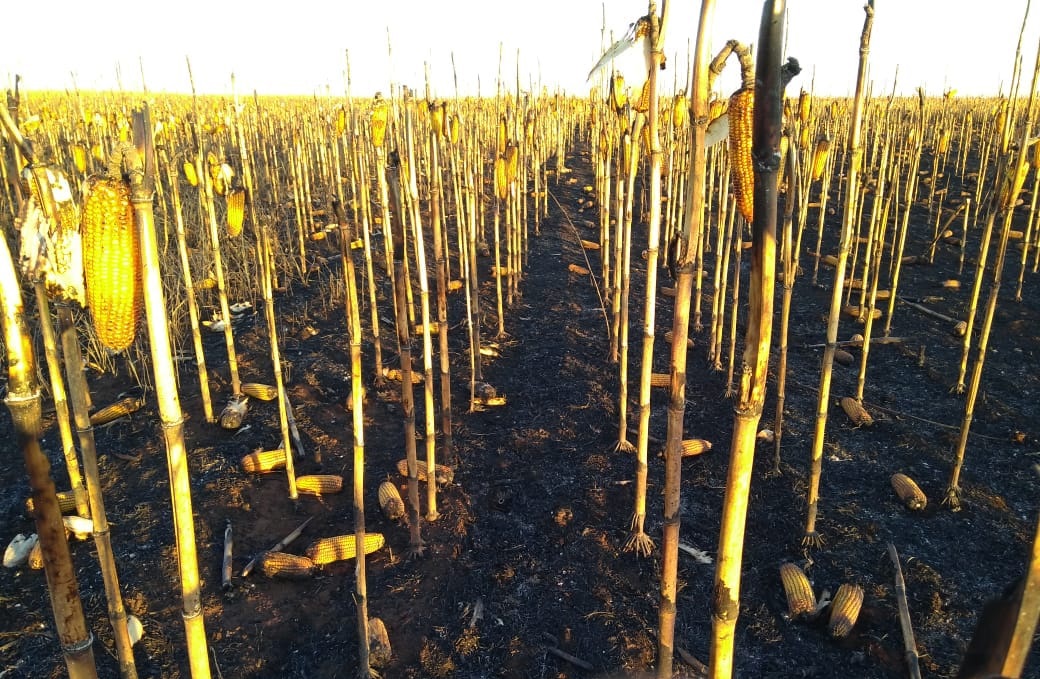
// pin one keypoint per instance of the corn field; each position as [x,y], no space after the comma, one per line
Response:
[529,385]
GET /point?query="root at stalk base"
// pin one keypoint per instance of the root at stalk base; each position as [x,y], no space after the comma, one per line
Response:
[953,498]
[640,543]
[812,539]
[623,446]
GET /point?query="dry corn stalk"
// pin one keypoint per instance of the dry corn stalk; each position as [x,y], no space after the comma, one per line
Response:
[910,494]
[856,412]
[262,461]
[741,112]
[121,408]
[341,548]
[112,262]
[445,474]
[800,598]
[845,607]
[284,565]
[319,484]
[390,501]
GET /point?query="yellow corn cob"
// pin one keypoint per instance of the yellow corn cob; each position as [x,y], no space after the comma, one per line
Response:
[66,502]
[120,408]
[679,110]
[261,461]
[804,105]
[499,400]
[501,147]
[190,174]
[716,108]
[79,158]
[856,412]
[35,561]
[445,474]
[206,284]
[437,117]
[618,94]
[589,245]
[264,392]
[692,447]
[580,270]
[741,112]
[390,501]
[819,158]
[500,271]
[859,313]
[784,143]
[1034,157]
[454,285]
[803,137]
[341,121]
[319,484]
[800,598]
[909,492]
[1013,186]
[501,180]
[284,565]
[456,129]
[845,607]
[668,338]
[396,375]
[642,104]
[112,262]
[341,548]
[380,114]
[660,380]
[943,145]
[236,202]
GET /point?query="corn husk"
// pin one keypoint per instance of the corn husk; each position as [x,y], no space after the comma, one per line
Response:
[17,552]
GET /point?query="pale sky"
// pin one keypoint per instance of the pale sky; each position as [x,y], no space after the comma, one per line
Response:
[300,47]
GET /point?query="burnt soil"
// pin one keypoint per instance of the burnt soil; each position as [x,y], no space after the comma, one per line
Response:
[534,523]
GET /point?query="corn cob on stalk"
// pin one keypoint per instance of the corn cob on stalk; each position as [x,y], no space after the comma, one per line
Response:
[804,106]
[190,174]
[845,607]
[501,178]
[79,157]
[236,204]
[112,262]
[319,484]
[66,502]
[264,392]
[800,598]
[910,494]
[618,93]
[261,461]
[121,408]
[741,111]
[284,565]
[390,501]
[819,159]
[445,474]
[380,113]
[856,412]
[341,548]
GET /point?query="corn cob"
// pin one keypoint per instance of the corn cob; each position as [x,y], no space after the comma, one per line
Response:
[396,375]
[692,447]
[112,262]
[319,484]
[445,474]
[419,327]
[454,285]
[190,174]
[1034,157]
[261,461]
[856,412]
[390,501]
[858,312]
[819,158]
[661,380]
[380,114]
[264,392]
[341,548]
[121,408]
[234,413]
[642,104]
[456,129]
[379,652]
[785,142]
[79,158]
[1013,186]
[668,338]
[679,110]
[501,146]
[437,117]
[800,598]
[618,93]
[843,357]
[829,260]
[499,400]
[66,503]
[580,270]
[236,203]
[512,161]
[943,145]
[716,108]
[284,565]
[341,121]
[589,245]
[207,283]
[909,492]
[501,181]
[803,137]
[35,561]
[845,607]
[741,111]
[804,105]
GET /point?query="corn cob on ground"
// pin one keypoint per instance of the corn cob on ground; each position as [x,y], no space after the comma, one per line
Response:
[845,607]
[390,501]
[910,494]
[262,461]
[284,565]
[341,548]
[445,474]
[319,484]
[800,597]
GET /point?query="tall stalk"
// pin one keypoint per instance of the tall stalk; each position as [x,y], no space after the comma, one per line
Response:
[751,394]
[848,228]
[685,258]
[23,402]
[142,181]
